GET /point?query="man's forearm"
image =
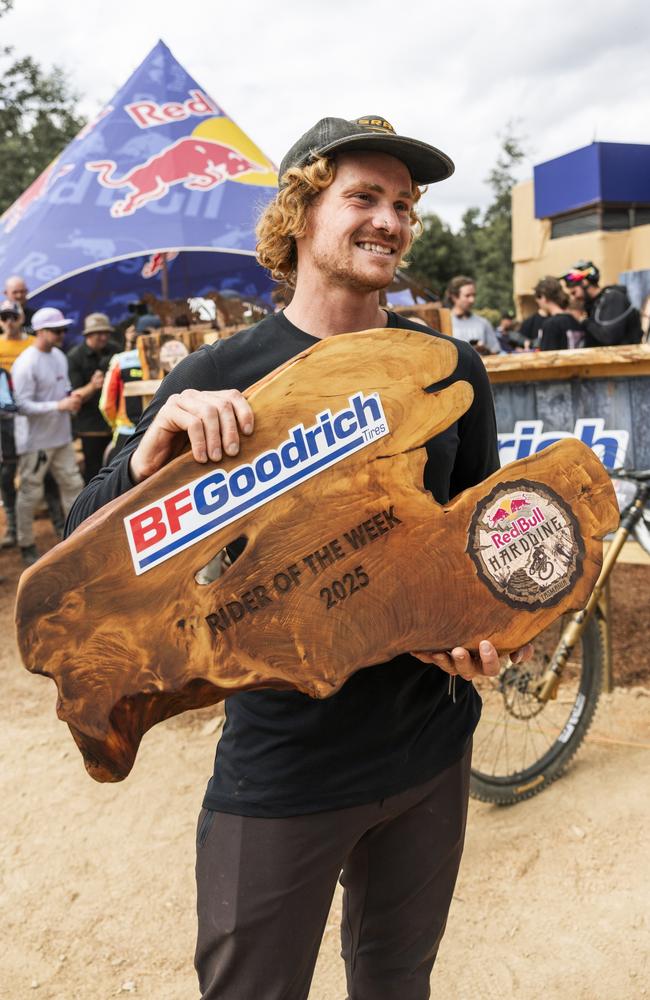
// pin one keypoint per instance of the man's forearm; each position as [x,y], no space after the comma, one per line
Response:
[33,407]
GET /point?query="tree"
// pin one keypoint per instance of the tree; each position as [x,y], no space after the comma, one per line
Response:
[482,248]
[37,120]
[493,269]
[436,255]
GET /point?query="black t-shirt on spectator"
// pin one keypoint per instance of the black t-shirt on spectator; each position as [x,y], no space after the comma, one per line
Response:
[531,327]
[560,332]
[391,726]
[83,362]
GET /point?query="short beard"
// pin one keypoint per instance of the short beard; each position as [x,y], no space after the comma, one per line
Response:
[344,277]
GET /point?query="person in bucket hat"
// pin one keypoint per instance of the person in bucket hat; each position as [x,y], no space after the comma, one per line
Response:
[87,365]
[370,784]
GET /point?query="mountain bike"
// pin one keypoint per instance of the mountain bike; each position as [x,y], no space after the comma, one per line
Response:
[536,714]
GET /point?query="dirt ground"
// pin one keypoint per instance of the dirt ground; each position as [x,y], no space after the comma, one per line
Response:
[96,881]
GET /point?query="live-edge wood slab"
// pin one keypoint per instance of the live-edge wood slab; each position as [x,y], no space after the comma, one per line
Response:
[348,568]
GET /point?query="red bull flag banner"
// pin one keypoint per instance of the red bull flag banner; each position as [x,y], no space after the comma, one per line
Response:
[161,174]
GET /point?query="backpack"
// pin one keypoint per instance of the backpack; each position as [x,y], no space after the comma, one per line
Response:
[7,402]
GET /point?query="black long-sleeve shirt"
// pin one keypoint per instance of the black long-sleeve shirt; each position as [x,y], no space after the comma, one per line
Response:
[83,362]
[390,726]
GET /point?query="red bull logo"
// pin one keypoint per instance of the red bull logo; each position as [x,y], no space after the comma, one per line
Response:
[43,183]
[156,262]
[501,515]
[512,518]
[149,114]
[195,163]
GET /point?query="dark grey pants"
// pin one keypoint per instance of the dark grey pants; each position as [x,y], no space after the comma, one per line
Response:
[265,887]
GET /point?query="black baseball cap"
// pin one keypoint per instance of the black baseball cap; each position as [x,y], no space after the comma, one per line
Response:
[370,133]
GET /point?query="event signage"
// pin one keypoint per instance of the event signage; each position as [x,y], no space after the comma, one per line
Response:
[529,438]
[180,519]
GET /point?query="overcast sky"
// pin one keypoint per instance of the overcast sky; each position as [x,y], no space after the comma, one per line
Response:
[450,73]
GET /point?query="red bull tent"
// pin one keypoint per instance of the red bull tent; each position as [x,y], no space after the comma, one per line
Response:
[162,168]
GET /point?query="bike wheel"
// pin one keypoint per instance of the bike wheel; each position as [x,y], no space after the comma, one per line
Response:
[522,744]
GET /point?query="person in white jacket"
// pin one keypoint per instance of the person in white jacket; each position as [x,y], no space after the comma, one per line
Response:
[43,427]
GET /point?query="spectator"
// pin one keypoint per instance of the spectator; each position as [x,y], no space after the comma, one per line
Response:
[531,329]
[612,319]
[577,304]
[13,341]
[16,291]
[122,412]
[87,366]
[43,429]
[507,334]
[560,329]
[467,326]
[147,323]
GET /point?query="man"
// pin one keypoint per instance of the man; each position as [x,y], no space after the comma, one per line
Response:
[531,329]
[43,431]
[611,317]
[577,302]
[122,412]
[87,366]
[560,331]
[467,326]
[16,291]
[374,780]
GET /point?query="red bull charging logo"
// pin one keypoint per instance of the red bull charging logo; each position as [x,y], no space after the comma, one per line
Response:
[198,164]
[525,544]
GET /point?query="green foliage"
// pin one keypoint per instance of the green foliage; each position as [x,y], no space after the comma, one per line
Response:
[494,264]
[482,247]
[493,316]
[436,255]
[37,120]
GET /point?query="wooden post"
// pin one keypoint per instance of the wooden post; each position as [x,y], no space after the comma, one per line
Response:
[164,279]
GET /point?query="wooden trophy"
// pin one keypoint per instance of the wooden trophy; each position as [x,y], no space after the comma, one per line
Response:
[347,561]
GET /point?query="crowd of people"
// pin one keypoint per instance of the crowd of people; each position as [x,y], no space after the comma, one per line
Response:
[63,415]
[572,311]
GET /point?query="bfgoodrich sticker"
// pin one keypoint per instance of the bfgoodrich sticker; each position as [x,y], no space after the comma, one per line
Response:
[168,525]
[526,544]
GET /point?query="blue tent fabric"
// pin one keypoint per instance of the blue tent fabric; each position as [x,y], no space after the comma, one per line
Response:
[161,168]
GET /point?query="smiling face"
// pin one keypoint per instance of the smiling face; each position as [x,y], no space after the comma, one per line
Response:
[359,227]
[47,339]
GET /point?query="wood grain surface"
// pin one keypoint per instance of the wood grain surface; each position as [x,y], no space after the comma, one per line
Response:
[349,568]
[627,360]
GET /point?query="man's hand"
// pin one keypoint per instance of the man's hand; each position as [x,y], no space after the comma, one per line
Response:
[211,420]
[84,392]
[460,661]
[69,404]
